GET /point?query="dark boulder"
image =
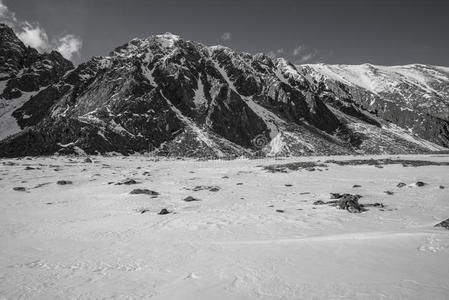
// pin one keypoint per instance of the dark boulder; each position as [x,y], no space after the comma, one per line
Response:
[64,182]
[164,211]
[190,199]
[444,224]
[144,192]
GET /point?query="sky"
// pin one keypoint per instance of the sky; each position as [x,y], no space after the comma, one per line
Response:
[383,32]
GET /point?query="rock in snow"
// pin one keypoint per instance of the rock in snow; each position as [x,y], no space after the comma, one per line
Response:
[144,191]
[444,224]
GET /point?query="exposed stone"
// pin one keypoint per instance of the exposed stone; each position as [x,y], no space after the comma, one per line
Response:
[64,182]
[350,203]
[190,199]
[144,191]
[210,188]
[164,211]
[127,182]
[444,224]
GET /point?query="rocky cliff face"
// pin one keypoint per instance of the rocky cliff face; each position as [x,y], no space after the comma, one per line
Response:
[23,73]
[180,98]
[414,97]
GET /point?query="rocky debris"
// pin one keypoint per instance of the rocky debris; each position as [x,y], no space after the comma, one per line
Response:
[144,192]
[127,182]
[64,182]
[41,185]
[338,195]
[210,188]
[321,202]
[295,166]
[19,189]
[29,168]
[389,192]
[190,199]
[441,187]
[350,203]
[420,184]
[88,160]
[143,210]
[387,161]
[401,184]
[164,211]
[444,224]
[377,204]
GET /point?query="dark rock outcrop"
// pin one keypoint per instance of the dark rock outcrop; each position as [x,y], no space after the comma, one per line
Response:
[444,224]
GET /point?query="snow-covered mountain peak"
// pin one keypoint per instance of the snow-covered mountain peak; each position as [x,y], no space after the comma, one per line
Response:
[183,98]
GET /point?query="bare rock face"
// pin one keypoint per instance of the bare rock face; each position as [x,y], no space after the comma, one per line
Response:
[413,97]
[23,73]
[176,98]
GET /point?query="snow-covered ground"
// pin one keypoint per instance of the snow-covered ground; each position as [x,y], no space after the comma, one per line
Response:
[88,240]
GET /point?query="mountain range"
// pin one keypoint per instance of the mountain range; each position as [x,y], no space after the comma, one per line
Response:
[173,97]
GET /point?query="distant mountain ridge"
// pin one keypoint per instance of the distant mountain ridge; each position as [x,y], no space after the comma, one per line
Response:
[180,98]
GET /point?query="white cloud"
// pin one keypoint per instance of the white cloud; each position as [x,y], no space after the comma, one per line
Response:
[6,16]
[69,45]
[226,36]
[306,57]
[298,50]
[33,36]
[271,55]
[303,54]
[3,9]
[274,54]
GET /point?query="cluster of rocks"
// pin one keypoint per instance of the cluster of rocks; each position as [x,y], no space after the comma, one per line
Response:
[295,166]
[387,161]
[144,192]
[349,202]
[210,188]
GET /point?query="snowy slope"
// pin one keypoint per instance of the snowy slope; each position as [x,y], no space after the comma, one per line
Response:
[415,86]
[259,236]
